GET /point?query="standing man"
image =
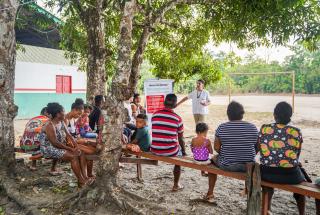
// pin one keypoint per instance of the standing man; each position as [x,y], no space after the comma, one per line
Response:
[167,135]
[200,101]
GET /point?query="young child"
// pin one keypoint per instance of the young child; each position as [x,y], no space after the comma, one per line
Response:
[200,145]
[142,137]
[202,151]
[82,124]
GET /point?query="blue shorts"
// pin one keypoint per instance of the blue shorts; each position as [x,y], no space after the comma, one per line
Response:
[90,135]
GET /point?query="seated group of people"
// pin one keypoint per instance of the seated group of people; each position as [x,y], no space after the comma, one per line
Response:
[236,143]
[61,136]
[67,137]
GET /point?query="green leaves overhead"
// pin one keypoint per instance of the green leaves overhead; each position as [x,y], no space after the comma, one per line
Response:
[176,46]
[253,23]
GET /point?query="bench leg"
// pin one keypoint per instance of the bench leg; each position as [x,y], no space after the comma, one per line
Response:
[139,172]
[318,206]
[267,194]
[301,203]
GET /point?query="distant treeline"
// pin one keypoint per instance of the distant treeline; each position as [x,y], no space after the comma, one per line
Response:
[305,64]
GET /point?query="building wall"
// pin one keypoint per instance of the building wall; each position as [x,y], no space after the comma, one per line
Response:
[35,87]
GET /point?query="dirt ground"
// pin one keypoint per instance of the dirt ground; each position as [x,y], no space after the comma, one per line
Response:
[158,180]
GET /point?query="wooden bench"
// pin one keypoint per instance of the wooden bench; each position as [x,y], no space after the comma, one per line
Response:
[305,188]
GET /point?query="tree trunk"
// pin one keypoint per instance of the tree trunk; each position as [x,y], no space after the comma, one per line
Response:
[96,72]
[114,109]
[7,67]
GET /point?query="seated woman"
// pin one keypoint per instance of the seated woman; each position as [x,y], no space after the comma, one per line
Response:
[53,144]
[235,142]
[88,147]
[76,111]
[280,148]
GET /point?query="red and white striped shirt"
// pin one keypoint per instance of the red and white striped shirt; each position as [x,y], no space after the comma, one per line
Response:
[167,127]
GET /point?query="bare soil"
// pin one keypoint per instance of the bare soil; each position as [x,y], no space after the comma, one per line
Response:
[158,180]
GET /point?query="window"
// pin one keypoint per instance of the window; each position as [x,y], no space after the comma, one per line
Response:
[63,84]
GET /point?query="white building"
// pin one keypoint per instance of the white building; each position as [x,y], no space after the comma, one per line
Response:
[44,75]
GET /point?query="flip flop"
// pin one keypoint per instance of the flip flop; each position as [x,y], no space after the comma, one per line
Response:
[92,176]
[175,189]
[90,181]
[204,174]
[209,198]
[56,173]
[32,168]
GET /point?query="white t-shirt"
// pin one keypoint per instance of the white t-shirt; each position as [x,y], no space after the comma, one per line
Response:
[127,105]
[197,97]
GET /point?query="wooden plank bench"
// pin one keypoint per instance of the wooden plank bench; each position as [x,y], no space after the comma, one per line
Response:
[305,188]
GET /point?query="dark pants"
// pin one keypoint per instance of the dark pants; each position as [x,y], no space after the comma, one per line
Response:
[280,175]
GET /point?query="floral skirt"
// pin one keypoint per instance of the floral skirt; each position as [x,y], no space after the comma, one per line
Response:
[52,152]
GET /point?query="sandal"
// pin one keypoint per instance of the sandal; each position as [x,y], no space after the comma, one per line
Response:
[90,181]
[56,173]
[92,176]
[32,168]
[204,174]
[175,189]
[209,198]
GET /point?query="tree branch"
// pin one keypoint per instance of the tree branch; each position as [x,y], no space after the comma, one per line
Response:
[120,81]
[138,58]
[79,8]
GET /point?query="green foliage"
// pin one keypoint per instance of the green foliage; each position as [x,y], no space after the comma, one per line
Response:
[176,47]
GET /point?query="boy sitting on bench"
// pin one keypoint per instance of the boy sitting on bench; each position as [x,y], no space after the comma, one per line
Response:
[142,137]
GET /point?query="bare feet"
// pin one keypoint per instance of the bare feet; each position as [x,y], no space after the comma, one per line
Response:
[177,188]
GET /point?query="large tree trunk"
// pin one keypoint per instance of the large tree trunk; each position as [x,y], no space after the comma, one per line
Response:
[114,109]
[113,119]
[96,72]
[7,66]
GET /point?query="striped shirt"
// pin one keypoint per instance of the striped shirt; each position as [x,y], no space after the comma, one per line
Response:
[238,140]
[167,127]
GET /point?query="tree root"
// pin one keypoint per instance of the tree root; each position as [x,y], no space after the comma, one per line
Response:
[36,182]
[9,187]
[126,201]
[84,201]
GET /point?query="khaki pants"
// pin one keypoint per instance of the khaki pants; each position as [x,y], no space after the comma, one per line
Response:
[199,118]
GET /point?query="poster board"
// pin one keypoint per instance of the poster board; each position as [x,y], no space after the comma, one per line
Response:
[155,91]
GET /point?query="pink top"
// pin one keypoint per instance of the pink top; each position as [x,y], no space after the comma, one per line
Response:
[201,153]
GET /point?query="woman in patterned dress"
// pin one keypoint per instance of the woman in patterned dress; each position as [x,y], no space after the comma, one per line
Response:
[280,148]
[53,139]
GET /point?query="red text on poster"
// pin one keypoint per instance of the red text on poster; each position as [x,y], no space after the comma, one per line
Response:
[155,103]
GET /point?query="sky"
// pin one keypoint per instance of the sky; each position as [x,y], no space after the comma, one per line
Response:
[278,53]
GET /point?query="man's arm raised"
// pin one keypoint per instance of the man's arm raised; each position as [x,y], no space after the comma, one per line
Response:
[182,100]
